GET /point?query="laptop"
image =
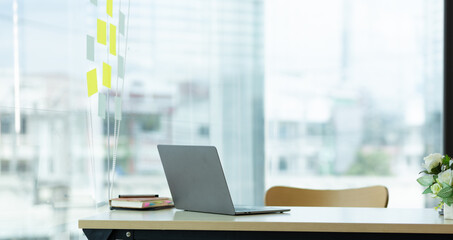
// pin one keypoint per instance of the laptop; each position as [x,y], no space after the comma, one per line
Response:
[197,182]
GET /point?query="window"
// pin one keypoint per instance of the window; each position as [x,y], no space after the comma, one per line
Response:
[315,94]
[362,81]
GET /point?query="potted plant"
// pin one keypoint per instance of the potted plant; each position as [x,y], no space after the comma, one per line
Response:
[437,178]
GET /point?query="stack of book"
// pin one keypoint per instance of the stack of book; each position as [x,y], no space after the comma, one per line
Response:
[140,202]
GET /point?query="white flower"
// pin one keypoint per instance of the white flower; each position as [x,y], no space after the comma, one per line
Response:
[446,176]
[432,161]
[435,188]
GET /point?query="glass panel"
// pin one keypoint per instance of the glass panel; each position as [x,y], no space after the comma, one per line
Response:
[319,94]
[353,93]
[194,75]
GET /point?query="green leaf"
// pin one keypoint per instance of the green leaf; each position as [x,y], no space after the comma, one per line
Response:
[444,185]
[425,171]
[435,177]
[445,161]
[437,169]
[427,190]
[449,159]
[446,192]
[426,180]
[448,201]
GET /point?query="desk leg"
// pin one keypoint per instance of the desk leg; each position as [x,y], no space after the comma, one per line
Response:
[97,234]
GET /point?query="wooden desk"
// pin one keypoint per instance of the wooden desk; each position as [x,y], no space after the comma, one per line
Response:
[300,222]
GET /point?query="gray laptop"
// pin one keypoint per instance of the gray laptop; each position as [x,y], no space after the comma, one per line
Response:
[197,182]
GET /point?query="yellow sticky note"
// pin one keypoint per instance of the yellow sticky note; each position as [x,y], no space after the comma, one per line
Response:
[110,8]
[102,32]
[113,39]
[92,82]
[106,75]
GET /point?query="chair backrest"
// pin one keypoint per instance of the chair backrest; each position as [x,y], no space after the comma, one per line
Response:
[374,196]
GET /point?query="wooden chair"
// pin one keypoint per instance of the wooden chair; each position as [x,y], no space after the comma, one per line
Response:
[374,196]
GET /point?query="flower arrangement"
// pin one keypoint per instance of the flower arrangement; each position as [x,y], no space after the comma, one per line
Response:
[438,177]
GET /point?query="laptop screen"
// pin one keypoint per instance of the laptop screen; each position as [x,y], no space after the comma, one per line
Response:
[196,178]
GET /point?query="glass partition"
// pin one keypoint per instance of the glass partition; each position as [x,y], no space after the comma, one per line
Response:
[315,94]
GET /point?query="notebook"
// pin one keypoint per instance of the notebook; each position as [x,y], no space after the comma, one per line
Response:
[197,181]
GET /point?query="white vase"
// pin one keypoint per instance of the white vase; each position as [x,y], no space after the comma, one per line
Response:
[448,211]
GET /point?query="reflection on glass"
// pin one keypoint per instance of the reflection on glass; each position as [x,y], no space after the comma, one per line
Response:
[353,93]
[291,92]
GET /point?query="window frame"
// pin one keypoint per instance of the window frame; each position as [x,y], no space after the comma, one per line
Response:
[447,124]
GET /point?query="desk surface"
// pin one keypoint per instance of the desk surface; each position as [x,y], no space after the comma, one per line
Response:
[299,219]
